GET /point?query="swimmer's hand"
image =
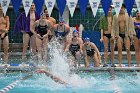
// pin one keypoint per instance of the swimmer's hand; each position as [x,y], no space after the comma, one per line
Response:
[101,40]
[38,36]
[2,35]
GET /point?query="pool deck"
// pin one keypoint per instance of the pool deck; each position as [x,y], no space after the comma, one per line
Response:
[31,68]
[19,67]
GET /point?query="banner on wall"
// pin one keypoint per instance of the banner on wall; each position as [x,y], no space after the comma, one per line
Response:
[61,6]
[83,5]
[5,5]
[16,5]
[106,5]
[94,6]
[27,4]
[38,4]
[72,5]
[50,4]
[138,4]
[129,5]
[117,5]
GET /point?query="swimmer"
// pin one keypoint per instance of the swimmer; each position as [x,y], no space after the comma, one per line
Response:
[91,51]
[61,31]
[137,37]
[24,24]
[122,31]
[75,45]
[41,29]
[106,38]
[53,22]
[4,28]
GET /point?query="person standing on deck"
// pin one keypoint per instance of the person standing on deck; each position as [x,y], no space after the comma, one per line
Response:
[53,22]
[74,46]
[41,29]
[90,50]
[4,28]
[123,30]
[24,25]
[106,29]
[137,38]
[61,31]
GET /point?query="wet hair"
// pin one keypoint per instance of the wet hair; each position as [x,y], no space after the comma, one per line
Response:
[137,11]
[44,10]
[123,5]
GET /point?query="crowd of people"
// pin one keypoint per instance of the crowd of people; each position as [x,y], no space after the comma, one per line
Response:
[41,29]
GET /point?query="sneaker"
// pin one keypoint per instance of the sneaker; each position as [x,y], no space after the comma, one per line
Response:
[105,65]
[113,65]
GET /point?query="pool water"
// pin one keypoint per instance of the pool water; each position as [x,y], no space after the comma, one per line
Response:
[83,82]
[78,82]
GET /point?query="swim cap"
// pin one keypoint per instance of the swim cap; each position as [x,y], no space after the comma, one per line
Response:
[75,31]
[87,39]
[61,19]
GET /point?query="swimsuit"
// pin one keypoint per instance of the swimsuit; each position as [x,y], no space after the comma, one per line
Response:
[42,30]
[59,33]
[90,52]
[108,35]
[74,48]
[137,30]
[4,36]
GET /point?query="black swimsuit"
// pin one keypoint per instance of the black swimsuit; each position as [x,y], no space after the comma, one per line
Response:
[4,36]
[122,36]
[42,30]
[29,33]
[90,52]
[108,35]
[74,48]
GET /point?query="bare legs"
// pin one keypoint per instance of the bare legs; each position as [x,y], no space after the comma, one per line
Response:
[95,58]
[26,39]
[42,49]
[6,47]
[127,46]
[137,50]
[106,50]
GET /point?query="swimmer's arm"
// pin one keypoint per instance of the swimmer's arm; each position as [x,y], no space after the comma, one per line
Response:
[81,45]
[53,77]
[54,21]
[33,28]
[113,27]
[7,25]
[67,30]
[132,27]
[101,39]
[84,50]
[67,46]
[55,27]
[96,49]
[101,33]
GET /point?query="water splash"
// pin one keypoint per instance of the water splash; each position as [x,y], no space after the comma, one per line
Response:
[60,66]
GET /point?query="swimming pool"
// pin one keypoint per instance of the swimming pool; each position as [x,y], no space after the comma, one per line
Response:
[83,82]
